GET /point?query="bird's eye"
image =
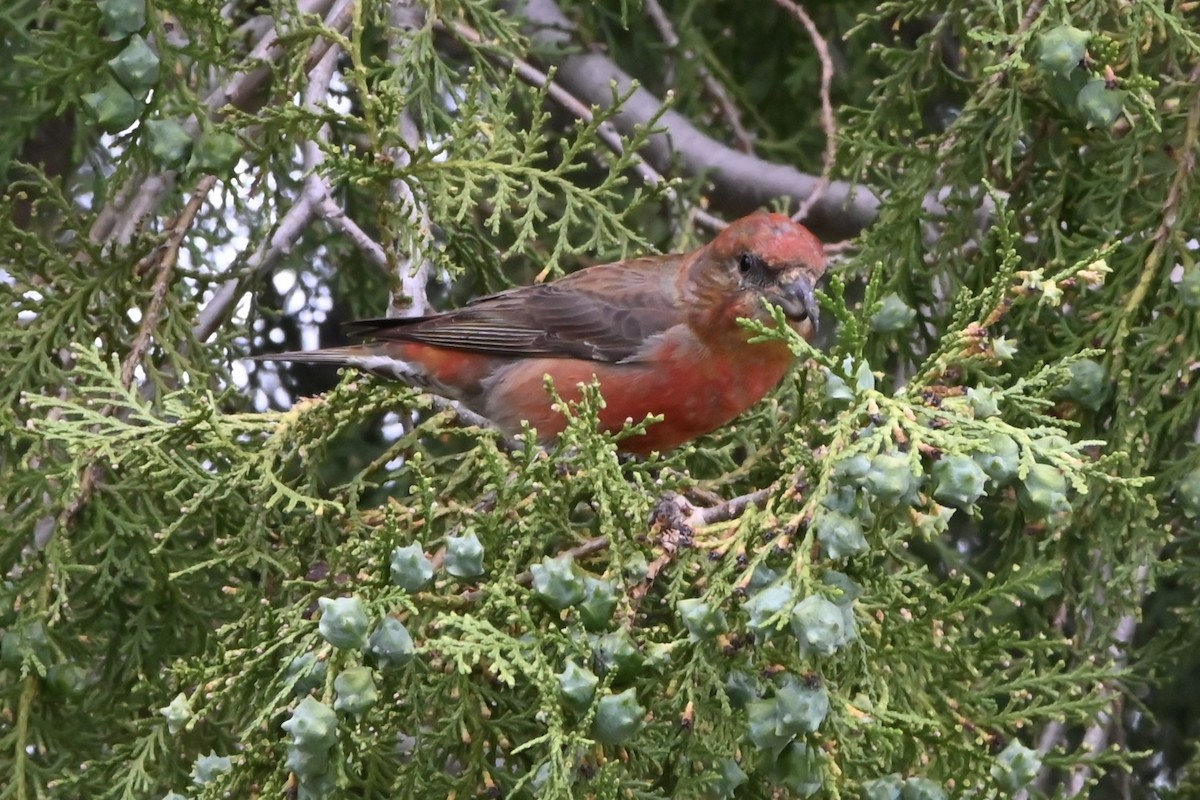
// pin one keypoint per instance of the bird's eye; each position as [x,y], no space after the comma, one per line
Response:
[749,263]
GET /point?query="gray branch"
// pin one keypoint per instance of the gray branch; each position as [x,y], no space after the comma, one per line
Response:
[741,182]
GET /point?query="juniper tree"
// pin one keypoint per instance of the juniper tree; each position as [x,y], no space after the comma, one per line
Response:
[950,556]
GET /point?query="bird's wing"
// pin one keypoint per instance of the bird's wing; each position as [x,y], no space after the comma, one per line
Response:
[603,313]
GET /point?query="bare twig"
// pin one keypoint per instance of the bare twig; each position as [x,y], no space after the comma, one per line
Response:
[269,251]
[735,507]
[678,511]
[166,256]
[469,417]
[316,186]
[117,222]
[536,77]
[162,261]
[713,86]
[828,123]
[328,210]
[312,201]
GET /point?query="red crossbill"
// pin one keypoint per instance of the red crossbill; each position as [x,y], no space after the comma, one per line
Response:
[659,333]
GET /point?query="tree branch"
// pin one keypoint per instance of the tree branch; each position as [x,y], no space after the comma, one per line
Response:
[741,182]
[162,261]
[141,195]
[314,201]
[324,206]
[608,134]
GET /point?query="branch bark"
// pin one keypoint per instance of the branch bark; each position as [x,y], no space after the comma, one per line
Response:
[741,182]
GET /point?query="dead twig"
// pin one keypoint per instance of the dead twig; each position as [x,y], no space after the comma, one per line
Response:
[163,262]
[729,110]
[828,123]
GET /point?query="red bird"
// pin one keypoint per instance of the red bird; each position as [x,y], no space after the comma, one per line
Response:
[660,333]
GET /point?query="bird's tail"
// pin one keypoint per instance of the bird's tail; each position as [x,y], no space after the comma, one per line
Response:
[378,359]
[346,356]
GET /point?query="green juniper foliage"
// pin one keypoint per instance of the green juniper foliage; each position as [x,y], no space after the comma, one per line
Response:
[952,556]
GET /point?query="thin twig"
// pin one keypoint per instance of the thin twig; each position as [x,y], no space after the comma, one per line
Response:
[469,417]
[678,511]
[714,87]
[828,123]
[163,261]
[536,77]
[117,221]
[735,507]
[270,250]
[324,205]
[331,212]
[301,214]
[1185,169]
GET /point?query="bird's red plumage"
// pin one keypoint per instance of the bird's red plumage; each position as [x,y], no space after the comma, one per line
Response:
[660,334]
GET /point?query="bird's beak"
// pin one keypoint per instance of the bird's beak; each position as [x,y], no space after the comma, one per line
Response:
[797,300]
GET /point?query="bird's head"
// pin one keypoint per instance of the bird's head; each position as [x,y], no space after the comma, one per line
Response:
[763,256]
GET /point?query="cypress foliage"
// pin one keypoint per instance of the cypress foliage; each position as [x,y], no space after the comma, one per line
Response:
[950,557]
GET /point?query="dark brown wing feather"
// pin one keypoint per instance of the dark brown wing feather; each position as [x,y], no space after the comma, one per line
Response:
[603,313]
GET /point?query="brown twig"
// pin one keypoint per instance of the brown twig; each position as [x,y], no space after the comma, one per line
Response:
[714,87]
[163,262]
[684,513]
[828,122]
